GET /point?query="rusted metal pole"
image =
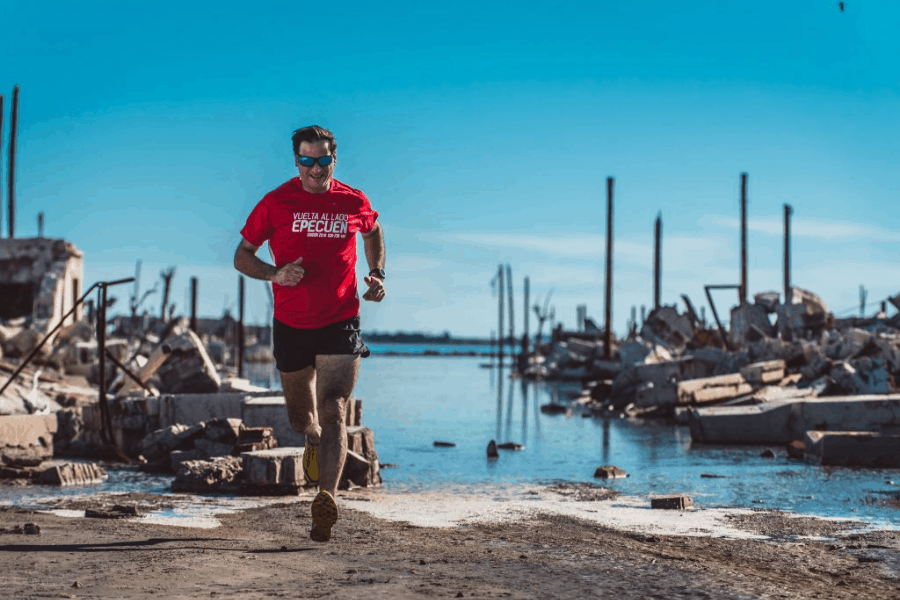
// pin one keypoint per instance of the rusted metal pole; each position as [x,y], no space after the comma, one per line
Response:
[787,253]
[240,331]
[1,161]
[11,176]
[500,285]
[609,263]
[194,304]
[525,336]
[657,261]
[743,291]
[512,320]
[106,431]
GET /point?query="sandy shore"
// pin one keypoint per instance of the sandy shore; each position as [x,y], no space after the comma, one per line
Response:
[504,542]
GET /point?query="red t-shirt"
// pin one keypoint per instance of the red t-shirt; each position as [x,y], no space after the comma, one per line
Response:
[322,229]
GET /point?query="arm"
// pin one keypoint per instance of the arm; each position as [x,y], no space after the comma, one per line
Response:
[246,261]
[374,246]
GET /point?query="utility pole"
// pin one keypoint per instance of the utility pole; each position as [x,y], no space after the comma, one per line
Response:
[787,253]
[509,292]
[743,291]
[525,336]
[11,176]
[1,161]
[657,260]
[609,263]
[500,285]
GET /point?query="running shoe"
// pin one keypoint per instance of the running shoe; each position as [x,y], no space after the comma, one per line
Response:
[324,515]
[311,463]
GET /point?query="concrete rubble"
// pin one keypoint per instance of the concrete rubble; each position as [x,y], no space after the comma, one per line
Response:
[178,400]
[779,371]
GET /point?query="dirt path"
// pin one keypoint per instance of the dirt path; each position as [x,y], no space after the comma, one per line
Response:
[265,552]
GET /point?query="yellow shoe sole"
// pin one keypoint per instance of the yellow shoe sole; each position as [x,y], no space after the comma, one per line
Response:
[311,463]
[324,515]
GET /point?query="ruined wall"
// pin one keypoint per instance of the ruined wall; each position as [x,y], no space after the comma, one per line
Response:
[40,278]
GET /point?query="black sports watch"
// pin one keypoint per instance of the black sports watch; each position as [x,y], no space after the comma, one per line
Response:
[379,273]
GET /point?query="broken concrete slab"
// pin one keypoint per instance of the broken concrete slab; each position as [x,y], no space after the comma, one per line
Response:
[362,471]
[713,389]
[763,373]
[188,368]
[852,449]
[610,472]
[217,475]
[672,502]
[782,422]
[271,411]
[665,326]
[746,317]
[278,469]
[72,473]
[26,438]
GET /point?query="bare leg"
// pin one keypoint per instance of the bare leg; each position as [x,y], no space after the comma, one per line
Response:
[335,379]
[300,397]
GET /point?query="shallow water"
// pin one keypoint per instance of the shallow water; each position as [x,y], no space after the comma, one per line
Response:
[411,402]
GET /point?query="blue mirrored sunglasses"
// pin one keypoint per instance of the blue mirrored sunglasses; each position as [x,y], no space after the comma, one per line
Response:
[308,161]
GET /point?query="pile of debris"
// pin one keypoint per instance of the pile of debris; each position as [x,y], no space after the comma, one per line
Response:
[676,366]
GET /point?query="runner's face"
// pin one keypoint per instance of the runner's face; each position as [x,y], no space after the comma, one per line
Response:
[315,179]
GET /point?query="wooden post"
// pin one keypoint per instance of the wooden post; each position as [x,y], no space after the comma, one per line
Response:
[609,263]
[194,304]
[787,254]
[525,335]
[500,285]
[509,293]
[1,160]
[742,293]
[240,331]
[657,261]
[11,176]
[106,429]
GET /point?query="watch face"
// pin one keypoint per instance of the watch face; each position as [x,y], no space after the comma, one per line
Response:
[377,273]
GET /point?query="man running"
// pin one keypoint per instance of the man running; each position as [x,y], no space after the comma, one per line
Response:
[310,223]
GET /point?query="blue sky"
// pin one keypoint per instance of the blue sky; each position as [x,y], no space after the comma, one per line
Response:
[482,132]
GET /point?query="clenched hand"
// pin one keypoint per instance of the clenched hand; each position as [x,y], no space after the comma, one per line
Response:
[290,274]
[376,291]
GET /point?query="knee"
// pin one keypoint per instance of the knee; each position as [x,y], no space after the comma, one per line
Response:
[301,422]
[332,410]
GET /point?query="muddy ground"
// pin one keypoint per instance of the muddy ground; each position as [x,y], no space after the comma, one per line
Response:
[265,552]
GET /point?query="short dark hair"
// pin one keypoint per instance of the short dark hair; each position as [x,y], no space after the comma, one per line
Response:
[313,133]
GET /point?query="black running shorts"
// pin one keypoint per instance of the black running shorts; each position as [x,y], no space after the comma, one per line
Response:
[296,349]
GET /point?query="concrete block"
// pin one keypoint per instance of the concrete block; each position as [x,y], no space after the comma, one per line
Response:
[72,473]
[672,502]
[187,367]
[852,449]
[782,422]
[609,472]
[225,431]
[762,373]
[194,408]
[270,411]
[27,438]
[713,389]
[273,468]
[361,470]
[360,439]
[219,475]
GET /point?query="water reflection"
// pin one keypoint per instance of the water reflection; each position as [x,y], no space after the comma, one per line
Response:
[410,402]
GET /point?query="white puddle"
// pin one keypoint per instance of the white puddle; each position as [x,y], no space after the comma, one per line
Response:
[451,509]
[458,506]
